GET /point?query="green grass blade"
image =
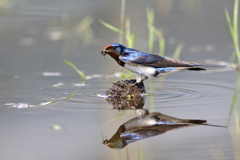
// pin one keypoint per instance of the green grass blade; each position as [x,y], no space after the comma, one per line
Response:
[237,118]
[109,26]
[129,37]
[152,98]
[144,46]
[87,36]
[68,98]
[122,15]
[235,28]
[76,69]
[115,117]
[150,21]
[127,153]
[177,51]
[128,33]
[161,40]
[162,47]
[234,104]
[66,45]
[140,153]
[235,99]
[84,24]
[229,22]
[233,56]
[235,20]
[133,38]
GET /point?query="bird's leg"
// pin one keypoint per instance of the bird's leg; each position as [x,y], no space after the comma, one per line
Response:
[145,78]
[142,112]
[138,80]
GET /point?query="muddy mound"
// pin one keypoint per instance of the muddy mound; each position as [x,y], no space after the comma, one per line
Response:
[126,89]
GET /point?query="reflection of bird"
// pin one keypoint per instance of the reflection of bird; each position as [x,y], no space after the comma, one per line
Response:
[147,125]
[147,65]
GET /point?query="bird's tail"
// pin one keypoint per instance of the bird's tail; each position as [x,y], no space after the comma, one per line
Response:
[198,67]
[190,67]
[196,121]
[201,67]
[201,122]
[178,63]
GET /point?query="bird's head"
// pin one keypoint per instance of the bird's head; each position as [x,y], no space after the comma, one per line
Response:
[114,50]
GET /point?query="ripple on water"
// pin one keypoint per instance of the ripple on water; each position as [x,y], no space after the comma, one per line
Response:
[169,94]
[86,97]
[179,93]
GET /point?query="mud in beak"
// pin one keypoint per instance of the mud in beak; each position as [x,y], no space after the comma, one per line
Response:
[104,52]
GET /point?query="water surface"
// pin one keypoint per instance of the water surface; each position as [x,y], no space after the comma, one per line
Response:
[37,37]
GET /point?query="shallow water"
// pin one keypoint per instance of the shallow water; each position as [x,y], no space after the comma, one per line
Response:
[37,37]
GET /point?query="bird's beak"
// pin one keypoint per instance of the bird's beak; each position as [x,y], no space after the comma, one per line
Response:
[104,52]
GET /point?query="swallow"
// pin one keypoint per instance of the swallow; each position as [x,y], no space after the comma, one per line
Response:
[147,65]
[147,125]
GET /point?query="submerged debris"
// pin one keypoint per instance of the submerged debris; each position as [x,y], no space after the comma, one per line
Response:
[94,76]
[126,104]
[125,89]
[26,105]
[58,84]
[79,84]
[51,74]
[22,105]
[57,127]
[46,103]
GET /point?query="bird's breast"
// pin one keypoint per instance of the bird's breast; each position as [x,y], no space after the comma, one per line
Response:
[139,69]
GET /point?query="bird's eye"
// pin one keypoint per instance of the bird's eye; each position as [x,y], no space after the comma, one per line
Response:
[114,47]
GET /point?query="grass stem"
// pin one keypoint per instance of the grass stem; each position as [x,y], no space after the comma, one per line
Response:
[77,70]
[233,27]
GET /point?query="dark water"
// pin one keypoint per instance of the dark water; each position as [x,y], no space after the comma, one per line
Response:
[37,36]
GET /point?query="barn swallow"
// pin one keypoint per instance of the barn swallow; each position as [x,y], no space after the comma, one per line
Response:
[147,65]
[147,125]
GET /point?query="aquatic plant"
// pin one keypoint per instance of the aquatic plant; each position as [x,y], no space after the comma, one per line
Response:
[150,24]
[84,29]
[130,38]
[122,15]
[234,105]
[177,51]
[235,133]
[81,30]
[111,27]
[233,27]
[161,40]
[81,74]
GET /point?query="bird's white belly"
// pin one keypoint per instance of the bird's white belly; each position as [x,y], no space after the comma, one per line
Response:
[141,70]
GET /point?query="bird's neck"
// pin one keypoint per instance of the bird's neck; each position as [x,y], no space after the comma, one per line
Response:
[115,56]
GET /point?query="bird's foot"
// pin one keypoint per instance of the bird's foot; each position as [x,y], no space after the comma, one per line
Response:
[133,84]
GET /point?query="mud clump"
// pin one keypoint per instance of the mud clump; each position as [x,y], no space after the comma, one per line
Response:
[126,104]
[123,95]
[126,89]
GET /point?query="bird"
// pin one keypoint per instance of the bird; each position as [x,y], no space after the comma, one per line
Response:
[147,65]
[147,125]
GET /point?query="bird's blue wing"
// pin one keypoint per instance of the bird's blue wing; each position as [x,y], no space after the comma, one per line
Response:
[137,57]
[134,56]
